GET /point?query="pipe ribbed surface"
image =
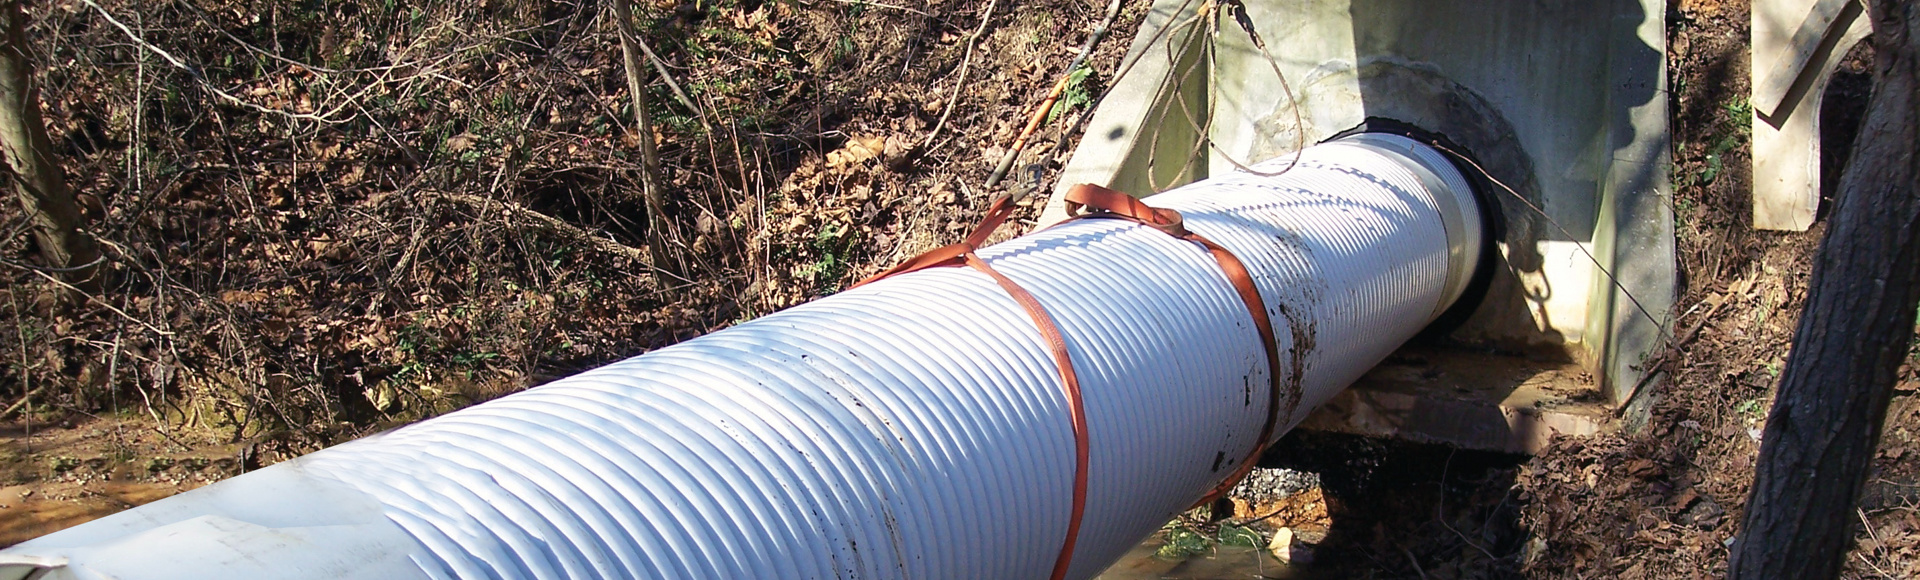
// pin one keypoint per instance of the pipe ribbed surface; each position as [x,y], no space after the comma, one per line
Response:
[911,428]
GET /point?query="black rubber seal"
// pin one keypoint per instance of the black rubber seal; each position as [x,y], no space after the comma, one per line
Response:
[1492,219]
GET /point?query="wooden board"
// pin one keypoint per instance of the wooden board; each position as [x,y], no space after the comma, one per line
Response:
[1796,45]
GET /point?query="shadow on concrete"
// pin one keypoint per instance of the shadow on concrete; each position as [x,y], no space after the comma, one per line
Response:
[1519,83]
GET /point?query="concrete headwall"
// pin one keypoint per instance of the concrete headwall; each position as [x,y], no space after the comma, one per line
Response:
[1562,101]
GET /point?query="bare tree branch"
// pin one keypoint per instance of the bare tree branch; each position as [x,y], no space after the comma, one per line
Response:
[652,190]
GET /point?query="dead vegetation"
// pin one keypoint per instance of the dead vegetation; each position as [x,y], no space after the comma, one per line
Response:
[1666,502]
[324,218]
[321,219]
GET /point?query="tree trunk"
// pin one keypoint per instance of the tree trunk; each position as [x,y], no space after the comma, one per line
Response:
[1854,332]
[37,180]
[654,194]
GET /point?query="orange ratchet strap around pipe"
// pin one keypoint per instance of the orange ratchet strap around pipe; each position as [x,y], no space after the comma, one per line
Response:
[1113,205]
[1116,205]
[963,254]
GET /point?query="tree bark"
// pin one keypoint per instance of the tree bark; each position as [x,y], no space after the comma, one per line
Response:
[1854,332]
[37,180]
[652,191]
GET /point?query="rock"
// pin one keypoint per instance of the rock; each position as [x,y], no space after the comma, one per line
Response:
[860,194]
[1532,552]
[706,223]
[1294,547]
[1264,484]
[797,223]
[897,152]
[1282,544]
[1705,514]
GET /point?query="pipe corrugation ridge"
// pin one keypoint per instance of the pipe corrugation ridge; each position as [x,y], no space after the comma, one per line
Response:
[910,428]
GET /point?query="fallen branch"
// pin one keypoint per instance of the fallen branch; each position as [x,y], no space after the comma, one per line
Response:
[660,66]
[965,63]
[1651,368]
[201,78]
[103,303]
[1040,111]
[1415,561]
[555,226]
[880,5]
[22,402]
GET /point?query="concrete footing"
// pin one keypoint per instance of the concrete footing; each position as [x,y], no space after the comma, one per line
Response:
[1467,400]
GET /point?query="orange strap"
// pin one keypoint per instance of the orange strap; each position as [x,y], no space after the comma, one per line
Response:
[1117,205]
[963,254]
[1110,204]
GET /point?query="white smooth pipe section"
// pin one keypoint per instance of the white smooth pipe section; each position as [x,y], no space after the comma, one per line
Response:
[911,428]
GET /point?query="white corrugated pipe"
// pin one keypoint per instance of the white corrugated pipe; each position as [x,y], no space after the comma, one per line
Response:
[911,428]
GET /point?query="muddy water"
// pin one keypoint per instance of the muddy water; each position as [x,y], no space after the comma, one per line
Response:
[1222,563]
[54,477]
[25,516]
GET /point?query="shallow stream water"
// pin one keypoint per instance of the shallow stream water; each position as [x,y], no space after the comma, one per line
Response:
[1220,563]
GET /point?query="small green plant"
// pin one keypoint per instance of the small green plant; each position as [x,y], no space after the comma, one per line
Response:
[826,270]
[1716,154]
[159,464]
[1232,535]
[474,359]
[1076,95]
[1183,542]
[1040,23]
[829,234]
[469,362]
[1726,136]
[844,48]
[415,339]
[410,371]
[1712,171]
[1740,112]
[62,463]
[1752,409]
[830,244]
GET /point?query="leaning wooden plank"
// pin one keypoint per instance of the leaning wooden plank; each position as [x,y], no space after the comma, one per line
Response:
[1786,102]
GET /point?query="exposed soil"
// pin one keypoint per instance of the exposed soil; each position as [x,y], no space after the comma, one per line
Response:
[56,476]
[283,285]
[466,220]
[1666,502]
[1663,502]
